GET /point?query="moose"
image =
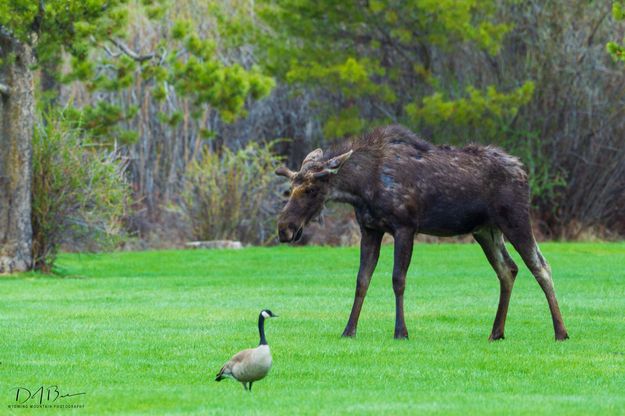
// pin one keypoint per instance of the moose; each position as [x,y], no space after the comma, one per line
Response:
[401,184]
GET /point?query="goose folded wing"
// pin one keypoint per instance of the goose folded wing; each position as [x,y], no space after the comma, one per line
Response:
[230,368]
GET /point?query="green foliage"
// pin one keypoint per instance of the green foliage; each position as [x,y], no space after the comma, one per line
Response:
[618,11]
[345,122]
[184,60]
[233,195]
[186,64]
[374,61]
[197,74]
[617,50]
[485,110]
[69,25]
[17,16]
[103,121]
[79,194]
[545,180]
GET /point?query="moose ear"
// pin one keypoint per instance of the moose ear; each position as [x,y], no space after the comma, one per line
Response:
[333,165]
[286,172]
[313,156]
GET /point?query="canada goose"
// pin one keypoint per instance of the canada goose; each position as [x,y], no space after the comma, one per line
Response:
[252,364]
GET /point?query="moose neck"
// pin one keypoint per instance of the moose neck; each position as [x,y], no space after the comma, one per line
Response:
[261,329]
[353,180]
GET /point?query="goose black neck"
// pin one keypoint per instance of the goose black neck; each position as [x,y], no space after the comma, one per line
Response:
[261,329]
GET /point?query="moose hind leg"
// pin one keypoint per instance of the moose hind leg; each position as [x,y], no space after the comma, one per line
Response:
[519,232]
[491,241]
[404,240]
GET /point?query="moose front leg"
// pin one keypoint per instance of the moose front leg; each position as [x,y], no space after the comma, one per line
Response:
[403,253]
[369,252]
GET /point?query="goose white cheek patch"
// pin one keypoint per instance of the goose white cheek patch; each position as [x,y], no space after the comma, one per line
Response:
[265,315]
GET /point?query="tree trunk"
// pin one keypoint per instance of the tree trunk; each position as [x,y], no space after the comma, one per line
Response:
[17,111]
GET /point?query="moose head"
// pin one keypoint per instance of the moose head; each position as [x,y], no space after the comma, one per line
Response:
[310,188]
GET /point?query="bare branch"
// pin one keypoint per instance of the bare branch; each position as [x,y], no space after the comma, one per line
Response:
[110,52]
[385,112]
[130,53]
[163,56]
[4,89]
[596,27]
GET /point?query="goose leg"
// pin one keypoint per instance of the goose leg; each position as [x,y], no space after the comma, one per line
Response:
[251,385]
[244,385]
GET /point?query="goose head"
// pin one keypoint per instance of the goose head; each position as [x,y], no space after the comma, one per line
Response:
[266,313]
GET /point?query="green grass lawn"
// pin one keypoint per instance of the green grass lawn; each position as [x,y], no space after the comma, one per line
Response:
[146,333]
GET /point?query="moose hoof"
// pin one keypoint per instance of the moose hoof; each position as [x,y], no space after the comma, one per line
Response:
[349,333]
[401,334]
[495,337]
[562,337]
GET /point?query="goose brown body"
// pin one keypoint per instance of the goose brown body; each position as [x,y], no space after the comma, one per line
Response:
[252,364]
[248,365]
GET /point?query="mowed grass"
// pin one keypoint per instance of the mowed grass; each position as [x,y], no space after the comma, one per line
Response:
[144,333]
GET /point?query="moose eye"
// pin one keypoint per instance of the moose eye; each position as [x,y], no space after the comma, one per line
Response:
[286,193]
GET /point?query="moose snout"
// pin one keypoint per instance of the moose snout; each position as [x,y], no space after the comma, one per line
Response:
[288,231]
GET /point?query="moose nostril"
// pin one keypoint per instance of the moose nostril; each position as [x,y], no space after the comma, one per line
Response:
[287,232]
[285,236]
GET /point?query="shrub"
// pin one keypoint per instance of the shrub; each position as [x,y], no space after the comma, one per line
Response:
[79,193]
[233,195]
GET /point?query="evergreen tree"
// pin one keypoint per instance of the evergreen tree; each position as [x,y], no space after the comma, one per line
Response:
[38,34]
[384,61]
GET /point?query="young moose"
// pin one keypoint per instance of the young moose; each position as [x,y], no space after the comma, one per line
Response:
[400,184]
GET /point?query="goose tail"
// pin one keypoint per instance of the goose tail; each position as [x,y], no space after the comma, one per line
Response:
[220,375]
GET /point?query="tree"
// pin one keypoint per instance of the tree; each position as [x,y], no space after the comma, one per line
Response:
[34,32]
[160,112]
[387,61]
[38,34]
[17,107]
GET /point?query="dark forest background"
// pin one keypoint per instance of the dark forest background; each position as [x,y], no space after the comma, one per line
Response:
[160,122]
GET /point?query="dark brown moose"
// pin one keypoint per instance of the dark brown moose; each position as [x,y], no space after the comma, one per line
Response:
[401,184]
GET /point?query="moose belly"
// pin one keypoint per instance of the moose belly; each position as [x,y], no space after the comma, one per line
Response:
[448,218]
